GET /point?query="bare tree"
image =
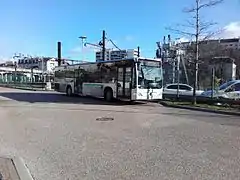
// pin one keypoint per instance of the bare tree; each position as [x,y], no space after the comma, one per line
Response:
[200,30]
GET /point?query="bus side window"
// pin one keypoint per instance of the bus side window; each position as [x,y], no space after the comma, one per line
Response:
[70,73]
[134,79]
[59,74]
[108,74]
[92,75]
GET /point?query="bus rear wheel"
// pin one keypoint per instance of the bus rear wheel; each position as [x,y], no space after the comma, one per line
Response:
[69,91]
[108,94]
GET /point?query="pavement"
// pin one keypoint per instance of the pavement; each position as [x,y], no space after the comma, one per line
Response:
[74,138]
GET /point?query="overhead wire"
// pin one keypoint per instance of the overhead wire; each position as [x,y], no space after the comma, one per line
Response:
[114,44]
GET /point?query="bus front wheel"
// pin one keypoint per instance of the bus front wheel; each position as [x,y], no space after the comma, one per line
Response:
[69,91]
[108,94]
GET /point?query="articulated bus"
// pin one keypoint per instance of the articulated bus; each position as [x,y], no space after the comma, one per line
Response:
[128,79]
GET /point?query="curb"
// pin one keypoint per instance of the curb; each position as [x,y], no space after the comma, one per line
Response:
[22,170]
[22,88]
[20,167]
[201,109]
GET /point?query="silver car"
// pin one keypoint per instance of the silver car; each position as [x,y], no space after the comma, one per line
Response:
[185,91]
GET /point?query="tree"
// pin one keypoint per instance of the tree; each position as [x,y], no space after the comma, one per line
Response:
[200,30]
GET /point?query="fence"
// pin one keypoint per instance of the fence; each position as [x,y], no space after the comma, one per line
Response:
[30,86]
[21,80]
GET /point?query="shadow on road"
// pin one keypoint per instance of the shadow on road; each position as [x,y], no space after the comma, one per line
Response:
[53,97]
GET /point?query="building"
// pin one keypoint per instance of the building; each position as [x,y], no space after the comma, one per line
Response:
[233,43]
[230,43]
[46,64]
[224,67]
[116,54]
[208,49]
[9,74]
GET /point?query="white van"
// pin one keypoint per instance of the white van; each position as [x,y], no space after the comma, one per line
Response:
[228,90]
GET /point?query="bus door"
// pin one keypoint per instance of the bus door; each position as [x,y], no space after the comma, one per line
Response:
[124,82]
[78,80]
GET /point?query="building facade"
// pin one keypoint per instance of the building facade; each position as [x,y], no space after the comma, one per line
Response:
[230,43]
[233,43]
[208,49]
[224,67]
[45,64]
[116,54]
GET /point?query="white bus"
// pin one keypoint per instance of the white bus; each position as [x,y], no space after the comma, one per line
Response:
[128,79]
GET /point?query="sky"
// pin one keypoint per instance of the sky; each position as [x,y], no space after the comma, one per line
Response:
[35,27]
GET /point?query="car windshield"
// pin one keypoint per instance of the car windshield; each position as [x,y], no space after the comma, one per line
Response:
[150,74]
[225,85]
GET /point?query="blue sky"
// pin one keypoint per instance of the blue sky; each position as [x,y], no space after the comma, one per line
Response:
[34,27]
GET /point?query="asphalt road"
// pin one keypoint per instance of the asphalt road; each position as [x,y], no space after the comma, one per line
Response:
[59,138]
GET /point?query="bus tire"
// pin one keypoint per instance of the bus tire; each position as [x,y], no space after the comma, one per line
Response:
[108,94]
[69,91]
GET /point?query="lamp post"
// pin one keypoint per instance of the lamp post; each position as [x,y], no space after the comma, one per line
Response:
[82,38]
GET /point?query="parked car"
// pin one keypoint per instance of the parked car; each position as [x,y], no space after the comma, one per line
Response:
[228,90]
[185,91]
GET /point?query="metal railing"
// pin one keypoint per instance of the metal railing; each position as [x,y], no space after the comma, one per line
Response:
[27,85]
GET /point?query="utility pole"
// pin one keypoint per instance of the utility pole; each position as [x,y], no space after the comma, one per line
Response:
[59,53]
[15,72]
[103,45]
[178,75]
[197,54]
[42,60]
[138,51]
[185,69]
[213,82]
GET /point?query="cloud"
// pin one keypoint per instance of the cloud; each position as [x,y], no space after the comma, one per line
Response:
[3,59]
[232,30]
[183,39]
[129,38]
[79,49]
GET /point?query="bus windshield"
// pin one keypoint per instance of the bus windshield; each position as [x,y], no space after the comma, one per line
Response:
[150,75]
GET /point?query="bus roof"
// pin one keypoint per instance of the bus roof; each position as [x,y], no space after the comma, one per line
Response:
[130,59]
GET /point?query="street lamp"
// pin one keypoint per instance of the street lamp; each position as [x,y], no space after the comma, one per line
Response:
[82,38]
